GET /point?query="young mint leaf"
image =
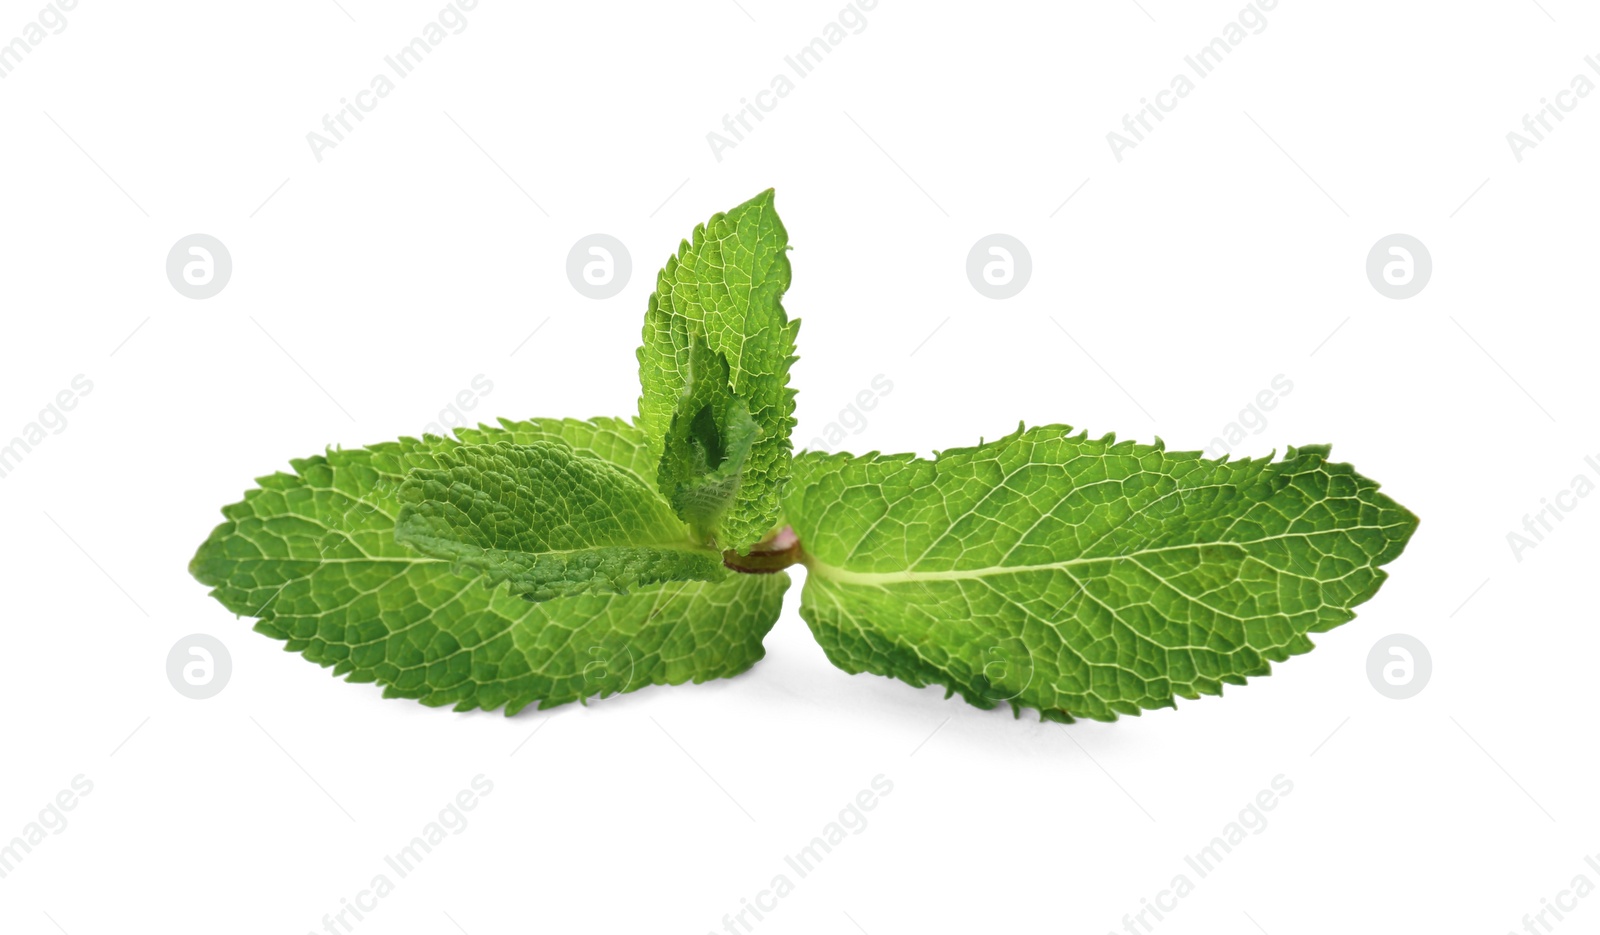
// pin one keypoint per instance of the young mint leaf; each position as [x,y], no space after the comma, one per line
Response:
[313,555]
[615,440]
[716,352]
[547,520]
[708,444]
[1083,577]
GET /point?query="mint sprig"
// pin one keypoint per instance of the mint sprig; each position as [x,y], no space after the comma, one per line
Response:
[555,560]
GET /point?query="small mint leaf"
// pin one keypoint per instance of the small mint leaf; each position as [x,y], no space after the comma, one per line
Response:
[708,445]
[547,521]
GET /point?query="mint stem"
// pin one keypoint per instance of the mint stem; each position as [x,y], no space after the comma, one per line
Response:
[773,554]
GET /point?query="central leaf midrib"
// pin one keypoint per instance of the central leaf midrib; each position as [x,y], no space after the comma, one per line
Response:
[838,575]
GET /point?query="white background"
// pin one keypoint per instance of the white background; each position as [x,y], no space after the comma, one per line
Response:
[371,287]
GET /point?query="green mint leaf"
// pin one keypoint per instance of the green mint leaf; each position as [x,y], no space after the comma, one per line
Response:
[708,445]
[313,555]
[714,372]
[1083,577]
[548,521]
[615,440]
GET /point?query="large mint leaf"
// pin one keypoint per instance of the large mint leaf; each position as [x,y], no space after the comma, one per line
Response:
[313,555]
[548,521]
[1083,577]
[714,371]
